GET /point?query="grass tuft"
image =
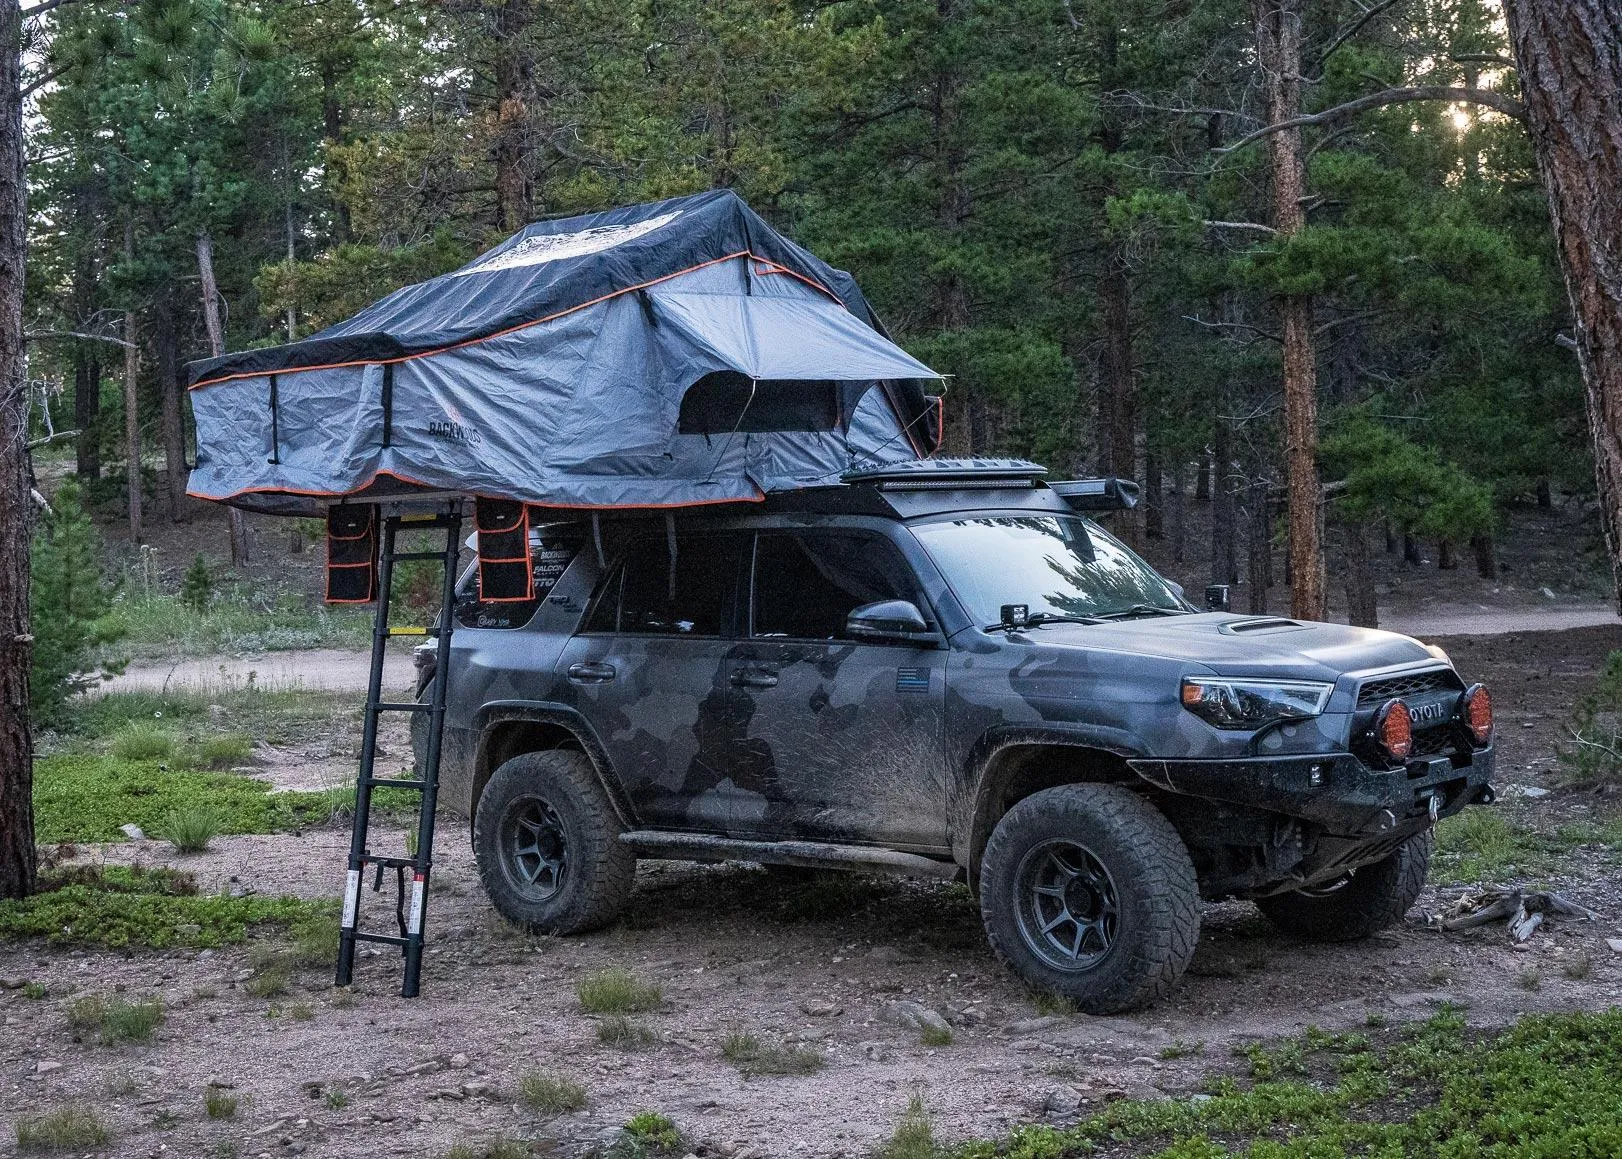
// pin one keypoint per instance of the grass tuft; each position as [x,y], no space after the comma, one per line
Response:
[143,741]
[219,752]
[654,1132]
[550,1094]
[69,1128]
[753,1057]
[616,991]
[190,829]
[914,1136]
[113,1020]
[219,1103]
[620,1031]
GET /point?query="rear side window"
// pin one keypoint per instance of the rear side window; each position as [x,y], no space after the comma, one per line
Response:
[641,599]
[552,547]
[807,583]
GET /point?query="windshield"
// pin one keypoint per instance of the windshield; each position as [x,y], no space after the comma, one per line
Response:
[1057,565]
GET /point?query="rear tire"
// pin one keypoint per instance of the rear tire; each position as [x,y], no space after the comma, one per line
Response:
[548,846]
[1087,891]
[1365,902]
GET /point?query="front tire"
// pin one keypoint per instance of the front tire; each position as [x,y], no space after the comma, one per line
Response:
[548,847]
[1087,891]
[1364,902]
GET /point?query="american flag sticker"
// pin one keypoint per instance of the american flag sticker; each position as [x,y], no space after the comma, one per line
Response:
[912,679]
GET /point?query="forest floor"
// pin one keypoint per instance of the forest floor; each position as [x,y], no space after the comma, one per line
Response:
[809,967]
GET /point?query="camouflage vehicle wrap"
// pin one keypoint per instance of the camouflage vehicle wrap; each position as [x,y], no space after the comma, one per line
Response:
[711,678]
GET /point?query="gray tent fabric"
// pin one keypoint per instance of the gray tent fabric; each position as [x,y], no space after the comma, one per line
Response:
[448,386]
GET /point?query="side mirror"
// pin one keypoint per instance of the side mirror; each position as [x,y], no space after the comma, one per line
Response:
[896,620]
[1217,598]
[1177,589]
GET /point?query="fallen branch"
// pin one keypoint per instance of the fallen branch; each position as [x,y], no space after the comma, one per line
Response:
[1525,912]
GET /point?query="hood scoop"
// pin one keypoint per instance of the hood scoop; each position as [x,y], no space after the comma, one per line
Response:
[1261,624]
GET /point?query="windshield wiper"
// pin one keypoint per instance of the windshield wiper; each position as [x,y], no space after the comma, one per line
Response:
[1040,618]
[1141,610]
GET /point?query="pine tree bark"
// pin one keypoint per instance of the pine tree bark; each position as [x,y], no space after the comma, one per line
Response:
[514,71]
[1176,515]
[1278,45]
[167,341]
[216,348]
[1486,557]
[1569,56]
[1224,523]
[17,863]
[132,400]
[1259,557]
[1362,608]
[87,412]
[1154,499]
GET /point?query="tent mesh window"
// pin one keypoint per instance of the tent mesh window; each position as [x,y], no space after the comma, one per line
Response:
[722,402]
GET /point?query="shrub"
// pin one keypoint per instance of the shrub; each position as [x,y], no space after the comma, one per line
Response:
[615,991]
[143,741]
[197,588]
[69,1128]
[550,1094]
[654,1131]
[914,1136]
[1592,752]
[68,606]
[190,830]
[217,1102]
[618,1030]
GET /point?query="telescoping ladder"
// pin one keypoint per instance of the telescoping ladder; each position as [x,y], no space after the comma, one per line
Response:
[409,909]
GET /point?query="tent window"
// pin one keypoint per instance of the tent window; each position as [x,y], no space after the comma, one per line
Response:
[719,403]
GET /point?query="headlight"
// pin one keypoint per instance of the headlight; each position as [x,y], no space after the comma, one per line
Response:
[1253,703]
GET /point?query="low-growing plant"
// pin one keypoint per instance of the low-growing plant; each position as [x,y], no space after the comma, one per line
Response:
[616,991]
[219,1103]
[270,982]
[1530,979]
[219,752]
[34,990]
[1051,1005]
[497,1148]
[1578,968]
[301,1012]
[1591,751]
[130,1021]
[69,1128]
[143,741]
[654,1131]
[621,1031]
[189,830]
[550,1094]
[1180,1049]
[935,1036]
[753,1057]
[337,1100]
[914,1136]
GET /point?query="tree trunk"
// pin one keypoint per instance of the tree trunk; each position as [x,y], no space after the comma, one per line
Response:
[1202,480]
[216,348]
[1154,515]
[1390,538]
[1570,69]
[1258,565]
[1224,524]
[1445,559]
[1486,557]
[17,865]
[132,400]
[1278,45]
[167,341]
[87,412]
[1545,493]
[514,67]
[1175,514]
[1410,551]
[1361,609]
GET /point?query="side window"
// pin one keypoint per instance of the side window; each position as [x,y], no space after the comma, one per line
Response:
[807,583]
[552,547]
[640,598]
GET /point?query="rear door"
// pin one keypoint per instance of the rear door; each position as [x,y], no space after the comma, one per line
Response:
[650,673]
[846,735]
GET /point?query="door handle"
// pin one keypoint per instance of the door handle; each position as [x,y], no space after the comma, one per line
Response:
[754,678]
[591,673]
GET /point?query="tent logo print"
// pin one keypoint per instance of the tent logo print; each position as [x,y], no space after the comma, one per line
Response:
[551,247]
[454,432]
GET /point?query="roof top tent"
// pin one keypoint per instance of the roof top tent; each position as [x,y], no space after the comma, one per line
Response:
[661,355]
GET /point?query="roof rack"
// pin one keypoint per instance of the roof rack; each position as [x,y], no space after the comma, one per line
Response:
[953,474]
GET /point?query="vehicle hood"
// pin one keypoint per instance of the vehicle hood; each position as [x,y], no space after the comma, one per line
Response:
[1271,647]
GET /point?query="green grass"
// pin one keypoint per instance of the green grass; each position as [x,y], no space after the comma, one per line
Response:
[1482,845]
[914,1136]
[118,907]
[616,991]
[935,1036]
[621,1031]
[654,1132]
[753,1057]
[142,740]
[1546,1087]
[219,752]
[497,1148]
[211,726]
[190,828]
[86,797]
[238,618]
[70,1128]
[114,1020]
[219,1104]
[550,1094]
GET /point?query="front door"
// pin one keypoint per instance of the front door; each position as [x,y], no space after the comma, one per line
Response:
[845,736]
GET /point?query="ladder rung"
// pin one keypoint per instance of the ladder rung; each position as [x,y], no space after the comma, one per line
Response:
[386,939]
[400,555]
[406,632]
[395,783]
[392,862]
[404,706]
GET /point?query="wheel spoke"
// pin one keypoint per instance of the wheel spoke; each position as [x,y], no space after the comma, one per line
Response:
[1058,919]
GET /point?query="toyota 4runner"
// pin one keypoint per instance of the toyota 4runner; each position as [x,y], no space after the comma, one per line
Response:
[944,668]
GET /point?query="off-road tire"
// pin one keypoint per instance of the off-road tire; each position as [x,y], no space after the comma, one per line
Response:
[598,867]
[1157,896]
[1372,898]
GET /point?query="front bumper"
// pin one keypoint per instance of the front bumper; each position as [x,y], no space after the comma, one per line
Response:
[1336,791]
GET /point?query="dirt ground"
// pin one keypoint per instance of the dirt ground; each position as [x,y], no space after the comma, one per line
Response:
[815,962]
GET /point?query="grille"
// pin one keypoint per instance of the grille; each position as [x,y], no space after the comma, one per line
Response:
[1434,742]
[1377,692]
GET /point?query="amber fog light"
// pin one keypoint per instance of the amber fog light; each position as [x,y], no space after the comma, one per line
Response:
[1394,730]
[1476,712]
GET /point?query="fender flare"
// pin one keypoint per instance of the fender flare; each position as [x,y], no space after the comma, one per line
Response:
[979,781]
[571,720]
